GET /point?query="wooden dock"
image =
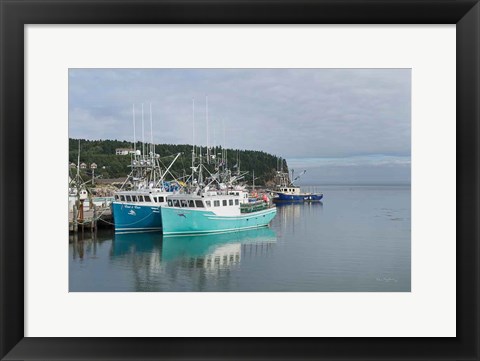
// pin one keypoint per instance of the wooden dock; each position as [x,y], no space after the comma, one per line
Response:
[91,219]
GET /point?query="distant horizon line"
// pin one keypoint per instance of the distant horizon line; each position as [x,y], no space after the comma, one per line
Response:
[359,184]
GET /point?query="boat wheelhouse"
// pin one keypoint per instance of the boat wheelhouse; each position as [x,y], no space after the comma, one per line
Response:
[138,210]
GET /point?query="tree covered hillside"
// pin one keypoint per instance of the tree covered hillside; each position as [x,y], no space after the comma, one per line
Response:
[111,165]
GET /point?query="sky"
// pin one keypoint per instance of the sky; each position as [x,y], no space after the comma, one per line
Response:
[343,126]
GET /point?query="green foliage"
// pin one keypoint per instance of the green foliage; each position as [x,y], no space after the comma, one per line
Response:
[110,165]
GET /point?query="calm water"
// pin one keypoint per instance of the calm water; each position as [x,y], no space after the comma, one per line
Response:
[358,239]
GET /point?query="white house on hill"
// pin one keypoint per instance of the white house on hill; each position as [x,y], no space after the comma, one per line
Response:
[124,151]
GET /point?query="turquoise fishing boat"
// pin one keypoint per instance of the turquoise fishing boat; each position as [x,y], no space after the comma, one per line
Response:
[214,212]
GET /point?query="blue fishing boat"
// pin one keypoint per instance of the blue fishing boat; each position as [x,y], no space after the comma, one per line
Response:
[293,194]
[137,209]
[287,191]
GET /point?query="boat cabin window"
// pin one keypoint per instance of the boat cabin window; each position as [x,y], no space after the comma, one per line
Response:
[176,203]
[224,202]
[191,204]
[184,203]
[199,203]
[216,203]
[161,199]
[208,204]
[116,198]
[122,198]
[236,202]
[230,202]
[170,203]
[128,198]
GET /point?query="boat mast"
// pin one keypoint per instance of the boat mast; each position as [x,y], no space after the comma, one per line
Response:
[225,145]
[134,137]
[214,147]
[152,152]
[200,177]
[143,135]
[151,131]
[206,116]
[78,162]
[253,180]
[193,140]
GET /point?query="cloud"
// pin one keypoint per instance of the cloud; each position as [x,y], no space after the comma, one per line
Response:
[294,113]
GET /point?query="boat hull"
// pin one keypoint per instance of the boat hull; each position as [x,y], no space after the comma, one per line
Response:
[192,221]
[285,197]
[136,218]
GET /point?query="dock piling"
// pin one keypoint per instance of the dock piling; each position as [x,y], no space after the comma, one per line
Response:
[75,221]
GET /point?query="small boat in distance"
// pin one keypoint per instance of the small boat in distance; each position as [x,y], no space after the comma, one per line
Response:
[287,191]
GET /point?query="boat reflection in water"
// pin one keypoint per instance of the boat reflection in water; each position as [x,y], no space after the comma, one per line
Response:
[291,215]
[187,263]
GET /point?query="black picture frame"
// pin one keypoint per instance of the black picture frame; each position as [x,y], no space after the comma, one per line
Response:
[15,14]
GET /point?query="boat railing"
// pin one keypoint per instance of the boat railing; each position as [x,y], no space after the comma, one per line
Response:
[253,207]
